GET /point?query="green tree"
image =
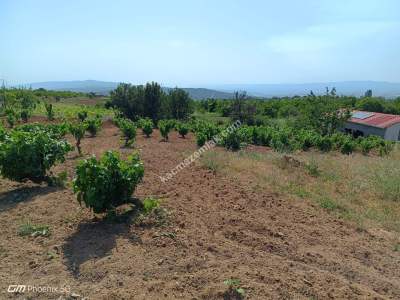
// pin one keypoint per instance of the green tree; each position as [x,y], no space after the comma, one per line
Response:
[152,101]
[49,111]
[368,93]
[371,104]
[180,104]
[322,114]
[129,99]
[242,109]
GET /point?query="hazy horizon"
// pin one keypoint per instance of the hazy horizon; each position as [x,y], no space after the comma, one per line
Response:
[200,43]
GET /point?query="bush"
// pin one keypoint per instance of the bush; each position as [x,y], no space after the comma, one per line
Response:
[147,126]
[183,129]
[49,111]
[324,143]
[201,139]
[209,129]
[128,129]
[12,117]
[25,115]
[78,132]
[280,140]
[366,145]
[165,127]
[57,131]
[107,183]
[2,133]
[348,146]
[233,140]
[82,115]
[29,155]
[262,136]
[93,125]
[385,147]
[307,139]
[33,230]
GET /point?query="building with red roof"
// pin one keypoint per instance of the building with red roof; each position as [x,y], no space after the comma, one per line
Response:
[364,123]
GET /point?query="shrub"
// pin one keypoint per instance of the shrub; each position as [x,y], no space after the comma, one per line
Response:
[149,204]
[385,147]
[55,130]
[78,132]
[348,146]
[233,140]
[93,125]
[141,122]
[280,140]
[33,230]
[338,139]
[312,168]
[128,129]
[82,115]
[366,145]
[324,143]
[49,111]
[209,129]
[235,291]
[107,183]
[165,127]
[29,155]
[12,117]
[183,129]
[2,133]
[25,115]
[118,120]
[262,136]
[201,138]
[147,127]
[307,139]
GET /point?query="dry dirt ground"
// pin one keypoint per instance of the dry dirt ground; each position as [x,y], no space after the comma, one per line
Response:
[219,227]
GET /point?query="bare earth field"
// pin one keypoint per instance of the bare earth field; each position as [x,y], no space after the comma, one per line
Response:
[220,226]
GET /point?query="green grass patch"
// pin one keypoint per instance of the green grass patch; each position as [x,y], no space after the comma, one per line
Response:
[29,229]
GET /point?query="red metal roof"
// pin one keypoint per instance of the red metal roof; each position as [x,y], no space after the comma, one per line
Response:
[377,119]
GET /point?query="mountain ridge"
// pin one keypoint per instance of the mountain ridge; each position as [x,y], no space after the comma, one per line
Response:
[225,91]
[104,88]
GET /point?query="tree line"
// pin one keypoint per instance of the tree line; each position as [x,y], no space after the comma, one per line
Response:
[150,101]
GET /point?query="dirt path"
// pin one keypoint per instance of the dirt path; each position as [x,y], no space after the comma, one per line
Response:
[220,228]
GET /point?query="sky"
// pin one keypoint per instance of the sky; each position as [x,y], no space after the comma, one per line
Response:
[198,43]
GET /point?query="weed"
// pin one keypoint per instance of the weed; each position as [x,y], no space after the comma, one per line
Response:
[212,161]
[33,230]
[152,214]
[59,180]
[329,204]
[234,290]
[386,181]
[50,255]
[149,204]
[313,168]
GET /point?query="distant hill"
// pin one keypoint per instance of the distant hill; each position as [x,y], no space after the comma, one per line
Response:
[349,88]
[225,91]
[104,88]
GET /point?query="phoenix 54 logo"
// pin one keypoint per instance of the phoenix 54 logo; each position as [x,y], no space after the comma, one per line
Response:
[22,288]
[16,288]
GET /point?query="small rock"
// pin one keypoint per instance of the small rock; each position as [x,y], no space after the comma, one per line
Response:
[75,296]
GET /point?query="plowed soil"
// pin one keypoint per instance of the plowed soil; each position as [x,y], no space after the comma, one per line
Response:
[219,227]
